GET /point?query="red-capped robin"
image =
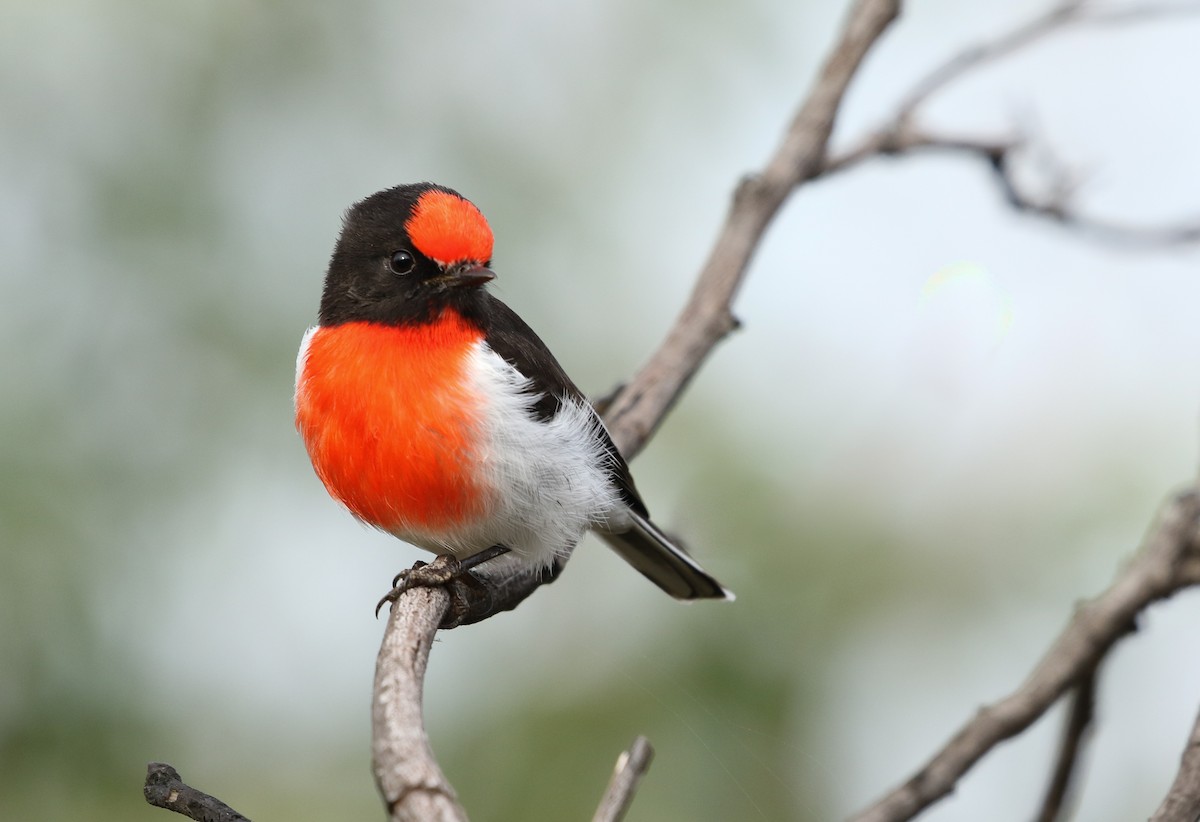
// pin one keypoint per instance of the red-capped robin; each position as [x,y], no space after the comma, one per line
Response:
[434,413]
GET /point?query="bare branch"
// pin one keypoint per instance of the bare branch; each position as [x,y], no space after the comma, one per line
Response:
[414,788]
[1075,731]
[165,788]
[901,135]
[902,139]
[638,409]
[1168,562]
[1183,800]
[631,766]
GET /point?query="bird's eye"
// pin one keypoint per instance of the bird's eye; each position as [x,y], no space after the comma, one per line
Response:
[402,262]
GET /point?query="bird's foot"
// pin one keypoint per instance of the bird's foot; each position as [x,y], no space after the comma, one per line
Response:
[469,595]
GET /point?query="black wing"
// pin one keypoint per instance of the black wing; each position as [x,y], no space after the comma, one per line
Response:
[510,337]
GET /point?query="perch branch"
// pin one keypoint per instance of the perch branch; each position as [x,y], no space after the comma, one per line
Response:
[631,766]
[165,788]
[413,786]
[1183,800]
[1168,562]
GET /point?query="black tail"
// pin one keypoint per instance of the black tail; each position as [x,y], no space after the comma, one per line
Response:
[662,562]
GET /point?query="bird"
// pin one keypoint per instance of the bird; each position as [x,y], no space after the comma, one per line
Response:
[434,413]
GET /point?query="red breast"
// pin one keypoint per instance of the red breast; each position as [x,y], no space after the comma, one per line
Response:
[391,422]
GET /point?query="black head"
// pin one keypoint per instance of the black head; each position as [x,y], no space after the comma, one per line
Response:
[404,255]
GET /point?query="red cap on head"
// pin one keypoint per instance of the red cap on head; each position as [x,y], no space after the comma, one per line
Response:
[449,229]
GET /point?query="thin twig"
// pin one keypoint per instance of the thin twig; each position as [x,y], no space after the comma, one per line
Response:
[998,155]
[631,766]
[1070,747]
[1103,15]
[165,788]
[1168,562]
[1182,803]
[979,55]
[901,139]
[1052,21]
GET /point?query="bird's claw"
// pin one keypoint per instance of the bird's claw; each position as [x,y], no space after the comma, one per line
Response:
[422,575]
[468,594]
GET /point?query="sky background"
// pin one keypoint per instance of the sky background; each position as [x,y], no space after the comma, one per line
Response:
[941,426]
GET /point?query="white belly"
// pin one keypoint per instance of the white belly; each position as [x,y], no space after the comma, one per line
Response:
[545,481]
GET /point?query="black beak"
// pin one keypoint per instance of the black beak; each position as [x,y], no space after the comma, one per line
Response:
[465,275]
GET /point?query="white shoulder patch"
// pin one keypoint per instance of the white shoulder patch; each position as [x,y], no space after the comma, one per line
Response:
[302,356]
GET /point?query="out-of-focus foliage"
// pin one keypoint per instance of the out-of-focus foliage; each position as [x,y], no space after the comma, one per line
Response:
[906,492]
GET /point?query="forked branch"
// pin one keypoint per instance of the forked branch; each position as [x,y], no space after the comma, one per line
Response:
[412,784]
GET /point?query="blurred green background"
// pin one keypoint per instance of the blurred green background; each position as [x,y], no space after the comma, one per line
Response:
[941,426]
